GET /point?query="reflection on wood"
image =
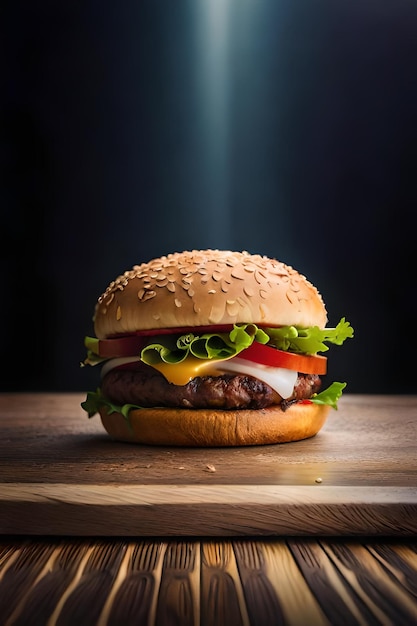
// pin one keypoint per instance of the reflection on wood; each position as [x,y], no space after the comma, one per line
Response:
[20,576]
[134,596]
[388,600]
[222,583]
[328,586]
[179,589]
[262,602]
[296,598]
[96,582]
[404,570]
[222,596]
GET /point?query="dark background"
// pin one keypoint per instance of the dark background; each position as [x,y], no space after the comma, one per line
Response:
[134,129]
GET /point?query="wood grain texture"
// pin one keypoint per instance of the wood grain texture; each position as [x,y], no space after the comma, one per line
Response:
[61,474]
[388,601]
[211,510]
[239,582]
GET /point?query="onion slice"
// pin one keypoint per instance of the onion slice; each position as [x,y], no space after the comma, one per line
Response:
[279,379]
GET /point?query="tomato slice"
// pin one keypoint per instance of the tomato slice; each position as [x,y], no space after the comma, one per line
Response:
[266,355]
[121,346]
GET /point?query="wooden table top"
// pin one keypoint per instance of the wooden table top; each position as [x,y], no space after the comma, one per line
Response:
[60,473]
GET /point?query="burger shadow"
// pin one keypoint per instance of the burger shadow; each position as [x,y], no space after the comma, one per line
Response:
[97,444]
[94,448]
[99,447]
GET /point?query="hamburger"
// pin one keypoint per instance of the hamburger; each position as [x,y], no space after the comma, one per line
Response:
[212,348]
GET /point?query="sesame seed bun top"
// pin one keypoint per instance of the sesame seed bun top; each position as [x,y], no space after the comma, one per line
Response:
[207,287]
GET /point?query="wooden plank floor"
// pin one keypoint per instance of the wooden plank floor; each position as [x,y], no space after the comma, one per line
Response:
[240,582]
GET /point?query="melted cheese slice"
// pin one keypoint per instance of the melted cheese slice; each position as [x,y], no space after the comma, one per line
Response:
[280,379]
[178,373]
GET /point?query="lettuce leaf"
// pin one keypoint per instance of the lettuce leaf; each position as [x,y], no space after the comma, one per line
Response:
[95,400]
[93,358]
[309,340]
[330,395]
[208,346]
[226,345]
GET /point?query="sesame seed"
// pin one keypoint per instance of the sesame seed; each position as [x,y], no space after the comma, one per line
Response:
[232,307]
[259,277]
[237,273]
[148,295]
[290,296]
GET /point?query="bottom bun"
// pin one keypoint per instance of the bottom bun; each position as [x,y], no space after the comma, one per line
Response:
[211,428]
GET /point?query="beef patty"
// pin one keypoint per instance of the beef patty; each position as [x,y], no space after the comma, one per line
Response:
[149,388]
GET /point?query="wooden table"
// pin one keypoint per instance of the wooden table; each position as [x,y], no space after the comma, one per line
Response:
[315,532]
